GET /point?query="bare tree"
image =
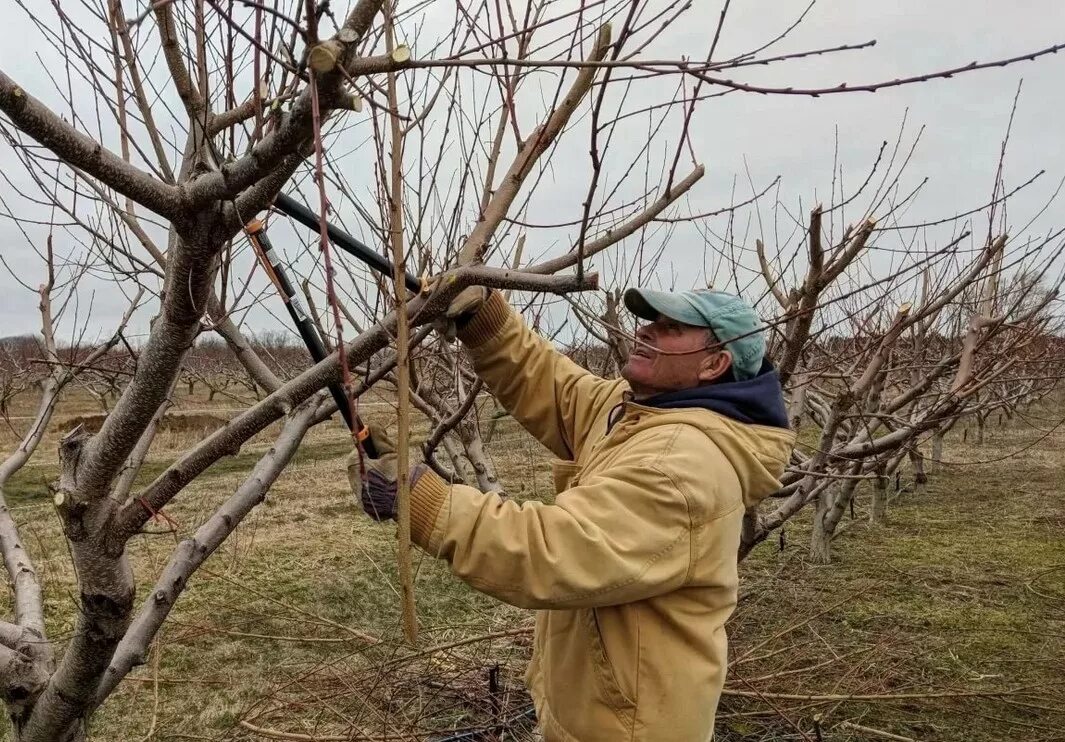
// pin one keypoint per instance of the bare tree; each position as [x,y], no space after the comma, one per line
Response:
[162,197]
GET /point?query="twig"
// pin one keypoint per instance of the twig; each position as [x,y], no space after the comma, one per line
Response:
[157,653]
[887,697]
[875,732]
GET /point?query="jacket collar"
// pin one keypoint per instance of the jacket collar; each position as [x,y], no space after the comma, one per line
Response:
[755,401]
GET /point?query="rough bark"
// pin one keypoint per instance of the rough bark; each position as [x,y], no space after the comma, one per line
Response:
[470,436]
[128,474]
[190,271]
[106,590]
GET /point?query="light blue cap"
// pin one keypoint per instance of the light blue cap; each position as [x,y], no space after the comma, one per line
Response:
[731,319]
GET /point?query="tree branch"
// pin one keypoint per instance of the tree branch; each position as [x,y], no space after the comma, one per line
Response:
[294,131]
[192,552]
[614,236]
[227,440]
[74,148]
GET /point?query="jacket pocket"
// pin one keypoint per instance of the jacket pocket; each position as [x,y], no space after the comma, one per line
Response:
[606,676]
[565,474]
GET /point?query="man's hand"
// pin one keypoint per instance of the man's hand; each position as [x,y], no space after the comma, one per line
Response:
[461,310]
[377,486]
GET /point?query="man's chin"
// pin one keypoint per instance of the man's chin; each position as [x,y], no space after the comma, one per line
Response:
[633,376]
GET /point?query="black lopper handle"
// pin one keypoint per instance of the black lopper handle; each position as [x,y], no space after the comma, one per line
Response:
[343,240]
[308,332]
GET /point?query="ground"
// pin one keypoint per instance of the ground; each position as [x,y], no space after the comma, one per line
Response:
[948,623]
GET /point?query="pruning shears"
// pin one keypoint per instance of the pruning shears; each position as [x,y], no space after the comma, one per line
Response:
[275,271]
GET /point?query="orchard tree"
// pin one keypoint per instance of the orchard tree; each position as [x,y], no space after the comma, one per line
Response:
[459,132]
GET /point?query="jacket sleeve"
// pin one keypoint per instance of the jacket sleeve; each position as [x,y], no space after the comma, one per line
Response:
[617,538]
[551,396]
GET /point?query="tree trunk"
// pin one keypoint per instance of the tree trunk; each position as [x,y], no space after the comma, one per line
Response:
[842,497]
[498,414]
[937,450]
[454,454]
[76,733]
[920,479]
[878,512]
[797,408]
[487,480]
[820,536]
[979,429]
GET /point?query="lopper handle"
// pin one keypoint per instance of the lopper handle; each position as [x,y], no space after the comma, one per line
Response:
[307,332]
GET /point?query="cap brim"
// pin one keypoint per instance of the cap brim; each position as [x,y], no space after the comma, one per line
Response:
[650,305]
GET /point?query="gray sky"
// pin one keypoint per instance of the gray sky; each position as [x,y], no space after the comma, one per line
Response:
[964,120]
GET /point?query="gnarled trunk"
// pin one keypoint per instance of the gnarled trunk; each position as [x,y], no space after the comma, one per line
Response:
[920,479]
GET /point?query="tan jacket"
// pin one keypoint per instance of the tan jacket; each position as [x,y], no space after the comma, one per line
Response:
[634,566]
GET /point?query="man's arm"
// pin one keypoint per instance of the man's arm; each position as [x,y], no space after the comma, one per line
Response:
[619,537]
[551,396]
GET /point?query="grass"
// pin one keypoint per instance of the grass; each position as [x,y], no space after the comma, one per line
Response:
[962,592]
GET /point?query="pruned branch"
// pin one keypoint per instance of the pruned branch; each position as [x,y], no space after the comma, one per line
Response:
[38,121]
[228,440]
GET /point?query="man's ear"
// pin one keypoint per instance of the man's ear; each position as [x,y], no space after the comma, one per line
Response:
[714,365]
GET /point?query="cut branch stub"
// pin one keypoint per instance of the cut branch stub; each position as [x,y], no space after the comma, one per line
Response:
[323,57]
[817,253]
[70,448]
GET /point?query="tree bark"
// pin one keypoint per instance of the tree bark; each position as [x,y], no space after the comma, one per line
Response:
[194,551]
[106,591]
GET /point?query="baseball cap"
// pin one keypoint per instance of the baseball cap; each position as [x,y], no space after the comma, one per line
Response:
[731,319]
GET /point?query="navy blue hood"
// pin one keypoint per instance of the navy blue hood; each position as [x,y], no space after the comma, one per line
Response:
[756,401]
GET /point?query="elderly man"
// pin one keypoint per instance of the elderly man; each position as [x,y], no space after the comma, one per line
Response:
[633,568]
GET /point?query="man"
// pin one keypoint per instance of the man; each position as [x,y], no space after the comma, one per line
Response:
[633,567]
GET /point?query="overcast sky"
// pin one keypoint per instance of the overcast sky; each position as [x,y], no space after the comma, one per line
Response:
[964,120]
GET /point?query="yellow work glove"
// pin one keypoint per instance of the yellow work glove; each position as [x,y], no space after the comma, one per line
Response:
[461,310]
[375,487]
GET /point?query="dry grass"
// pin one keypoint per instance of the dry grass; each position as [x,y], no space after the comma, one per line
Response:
[963,592]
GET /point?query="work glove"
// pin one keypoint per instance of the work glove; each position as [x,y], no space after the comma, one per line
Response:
[461,310]
[375,487]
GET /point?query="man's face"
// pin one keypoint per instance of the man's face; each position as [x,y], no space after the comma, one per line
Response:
[669,356]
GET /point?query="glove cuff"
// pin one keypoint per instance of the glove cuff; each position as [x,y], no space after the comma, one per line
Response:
[486,322]
[427,495]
